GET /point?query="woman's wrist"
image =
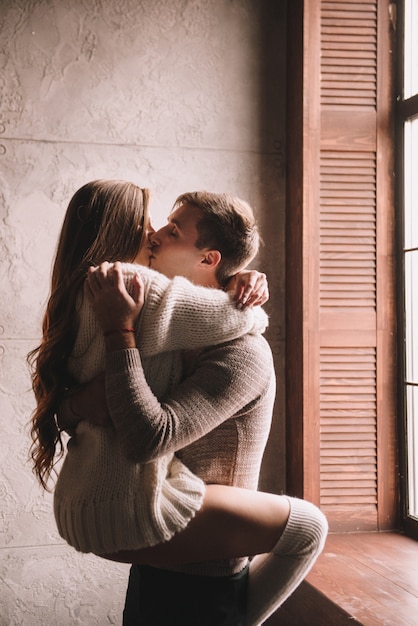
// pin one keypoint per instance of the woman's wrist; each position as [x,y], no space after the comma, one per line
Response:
[119,338]
[122,330]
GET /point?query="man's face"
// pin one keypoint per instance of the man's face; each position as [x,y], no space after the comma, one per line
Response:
[173,247]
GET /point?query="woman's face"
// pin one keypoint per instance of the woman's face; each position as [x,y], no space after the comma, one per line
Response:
[144,252]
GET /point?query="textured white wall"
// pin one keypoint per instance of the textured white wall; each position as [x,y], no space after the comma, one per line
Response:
[174,95]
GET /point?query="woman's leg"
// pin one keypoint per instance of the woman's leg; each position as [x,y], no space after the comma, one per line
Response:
[273,577]
[232,522]
[286,534]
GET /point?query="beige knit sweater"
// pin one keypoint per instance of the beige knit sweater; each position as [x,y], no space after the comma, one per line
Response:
[104,502]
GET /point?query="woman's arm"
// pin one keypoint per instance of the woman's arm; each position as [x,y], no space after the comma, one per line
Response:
[185,316]
[176,314]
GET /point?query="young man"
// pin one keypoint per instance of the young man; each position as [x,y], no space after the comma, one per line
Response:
[208,239]
[217,420]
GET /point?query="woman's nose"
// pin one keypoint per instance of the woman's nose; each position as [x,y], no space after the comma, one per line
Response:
[150,232]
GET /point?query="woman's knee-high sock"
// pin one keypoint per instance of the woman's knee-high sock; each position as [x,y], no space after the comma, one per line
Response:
[274,576]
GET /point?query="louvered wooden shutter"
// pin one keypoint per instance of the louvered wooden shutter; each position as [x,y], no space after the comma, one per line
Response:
[346,417]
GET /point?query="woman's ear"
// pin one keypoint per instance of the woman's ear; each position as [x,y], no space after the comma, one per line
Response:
[212,258]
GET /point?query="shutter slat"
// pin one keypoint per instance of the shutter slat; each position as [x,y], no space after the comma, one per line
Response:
[348,39]
[348,472]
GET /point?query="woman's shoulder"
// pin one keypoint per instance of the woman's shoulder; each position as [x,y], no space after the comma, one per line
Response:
[129,269]
[148,275]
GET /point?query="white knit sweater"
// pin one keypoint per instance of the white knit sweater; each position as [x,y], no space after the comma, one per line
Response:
[103,502]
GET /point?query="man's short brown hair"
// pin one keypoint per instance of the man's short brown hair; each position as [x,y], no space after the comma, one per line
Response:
[227,225]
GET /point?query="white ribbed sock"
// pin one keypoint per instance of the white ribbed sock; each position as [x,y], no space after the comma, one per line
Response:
[274,576]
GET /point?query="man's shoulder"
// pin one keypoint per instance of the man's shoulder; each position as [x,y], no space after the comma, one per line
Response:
[256,350]
[254,342]
[248,351]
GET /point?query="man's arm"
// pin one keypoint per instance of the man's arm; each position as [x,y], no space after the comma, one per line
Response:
[176,314]
[226,380]
[86,401]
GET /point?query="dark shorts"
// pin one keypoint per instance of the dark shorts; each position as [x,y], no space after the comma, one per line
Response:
[158,597]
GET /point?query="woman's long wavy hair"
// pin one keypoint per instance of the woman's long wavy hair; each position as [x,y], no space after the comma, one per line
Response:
[106,220]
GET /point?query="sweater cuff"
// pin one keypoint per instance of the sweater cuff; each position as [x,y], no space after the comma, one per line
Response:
[123,360]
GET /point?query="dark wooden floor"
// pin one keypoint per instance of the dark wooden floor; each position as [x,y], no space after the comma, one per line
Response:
[365,578]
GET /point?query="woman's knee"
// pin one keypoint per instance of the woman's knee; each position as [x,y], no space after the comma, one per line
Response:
[306,530]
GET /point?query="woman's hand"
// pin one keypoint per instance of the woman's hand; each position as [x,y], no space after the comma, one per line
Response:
[250,288]
[114,307]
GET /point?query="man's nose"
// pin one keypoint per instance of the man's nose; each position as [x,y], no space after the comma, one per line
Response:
[155,238]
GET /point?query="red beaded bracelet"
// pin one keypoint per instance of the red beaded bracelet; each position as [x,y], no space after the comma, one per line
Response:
[118,330]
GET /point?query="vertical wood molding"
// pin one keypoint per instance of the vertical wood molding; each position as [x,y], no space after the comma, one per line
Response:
[294,370]
[311,244]
[387,444]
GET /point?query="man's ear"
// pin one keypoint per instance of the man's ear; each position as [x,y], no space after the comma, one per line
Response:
[212,258]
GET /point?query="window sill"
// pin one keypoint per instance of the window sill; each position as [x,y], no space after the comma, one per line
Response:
[360,578]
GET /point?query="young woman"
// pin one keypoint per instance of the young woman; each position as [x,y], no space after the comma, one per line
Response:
[104,502]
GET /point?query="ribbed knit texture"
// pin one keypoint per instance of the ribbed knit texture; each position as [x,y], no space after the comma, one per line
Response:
[103,502]
[218,418]
[273,577]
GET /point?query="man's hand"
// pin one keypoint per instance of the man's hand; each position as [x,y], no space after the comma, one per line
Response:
[88,402]
[250,288]
[114,307]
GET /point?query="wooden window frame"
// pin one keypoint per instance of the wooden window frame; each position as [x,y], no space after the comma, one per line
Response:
[405,109]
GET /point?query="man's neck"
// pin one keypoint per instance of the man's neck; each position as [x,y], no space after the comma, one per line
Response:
[210,283]
[206,281]
[203,278]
